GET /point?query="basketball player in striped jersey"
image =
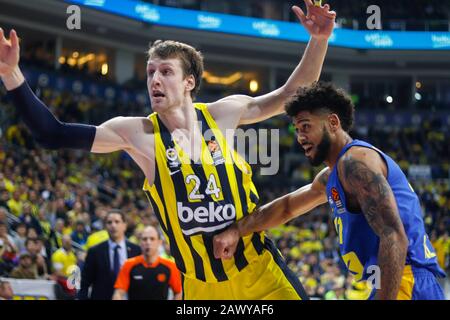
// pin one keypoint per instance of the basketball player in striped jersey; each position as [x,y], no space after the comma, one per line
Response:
[196,182]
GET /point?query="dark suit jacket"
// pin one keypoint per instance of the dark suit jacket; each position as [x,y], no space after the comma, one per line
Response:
[97,272]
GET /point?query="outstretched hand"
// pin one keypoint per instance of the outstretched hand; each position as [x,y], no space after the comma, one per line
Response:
[9,52]
[319,20]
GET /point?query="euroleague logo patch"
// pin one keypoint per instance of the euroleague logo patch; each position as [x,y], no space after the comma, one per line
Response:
[335,194]
[337,200]
[161,277]
[216,152]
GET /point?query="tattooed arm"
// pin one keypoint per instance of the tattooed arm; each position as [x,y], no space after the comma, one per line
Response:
[273,214]
[362,174]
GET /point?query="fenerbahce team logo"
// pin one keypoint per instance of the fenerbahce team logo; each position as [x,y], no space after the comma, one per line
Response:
[173,163]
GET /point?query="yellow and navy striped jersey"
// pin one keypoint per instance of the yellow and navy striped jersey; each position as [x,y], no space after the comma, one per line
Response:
[195,200]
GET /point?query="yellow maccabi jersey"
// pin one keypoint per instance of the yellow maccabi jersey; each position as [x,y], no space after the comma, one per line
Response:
[194,201]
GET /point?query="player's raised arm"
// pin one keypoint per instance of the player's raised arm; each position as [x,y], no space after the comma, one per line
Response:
[361,175]
[45,128]
[273,214]
[241,109]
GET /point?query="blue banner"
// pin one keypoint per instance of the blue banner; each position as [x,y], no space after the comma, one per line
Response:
[263,28]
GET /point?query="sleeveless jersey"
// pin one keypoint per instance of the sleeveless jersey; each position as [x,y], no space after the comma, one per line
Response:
[358,242]
[194,201]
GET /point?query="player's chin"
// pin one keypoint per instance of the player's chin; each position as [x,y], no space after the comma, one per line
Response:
[159,106]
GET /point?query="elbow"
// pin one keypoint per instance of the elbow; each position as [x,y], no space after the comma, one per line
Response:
[289,90]
[402,239]
[287,215]
[397,240]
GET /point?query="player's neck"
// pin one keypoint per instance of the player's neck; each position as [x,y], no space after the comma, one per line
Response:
[341,141]
[181,117]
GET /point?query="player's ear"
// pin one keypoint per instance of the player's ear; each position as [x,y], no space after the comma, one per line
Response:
[334,122]
[190,82]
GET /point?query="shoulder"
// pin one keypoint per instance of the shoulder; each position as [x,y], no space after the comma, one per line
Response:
[360,167]
[229,105]
[133,246]
[131,262]
[357,159]
[168,263]
[99,247]
[57,254]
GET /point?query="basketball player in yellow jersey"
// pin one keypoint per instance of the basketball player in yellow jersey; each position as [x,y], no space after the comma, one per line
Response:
[197,184]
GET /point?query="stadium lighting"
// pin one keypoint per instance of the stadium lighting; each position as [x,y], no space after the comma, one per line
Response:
[254,86]
[222,80]
[104,69]
[86,59]
[71,62]
[389,99]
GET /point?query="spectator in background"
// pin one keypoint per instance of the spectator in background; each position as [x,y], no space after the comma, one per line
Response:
[8,242]
[6,291]
[34,247]
[100,214]
[44,224]
[8,250]
[6,265]
[64,262]
[64,258]
[442,246]
[26,268]
[97,237]
[148,276]
[59,230]
[21,236]
[3,212]
[28,218]
[79,235]
[15,204]
[104,260]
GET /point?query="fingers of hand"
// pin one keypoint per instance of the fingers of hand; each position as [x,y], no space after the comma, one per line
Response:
[308,3]
[227,253]
[3,40]
[299,13]
[14,39]
[217,248]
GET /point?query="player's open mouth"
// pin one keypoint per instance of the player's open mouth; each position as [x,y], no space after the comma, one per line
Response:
[308,148]
[158,94]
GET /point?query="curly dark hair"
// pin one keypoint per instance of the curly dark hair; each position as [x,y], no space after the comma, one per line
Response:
[191,59]
[323,97]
